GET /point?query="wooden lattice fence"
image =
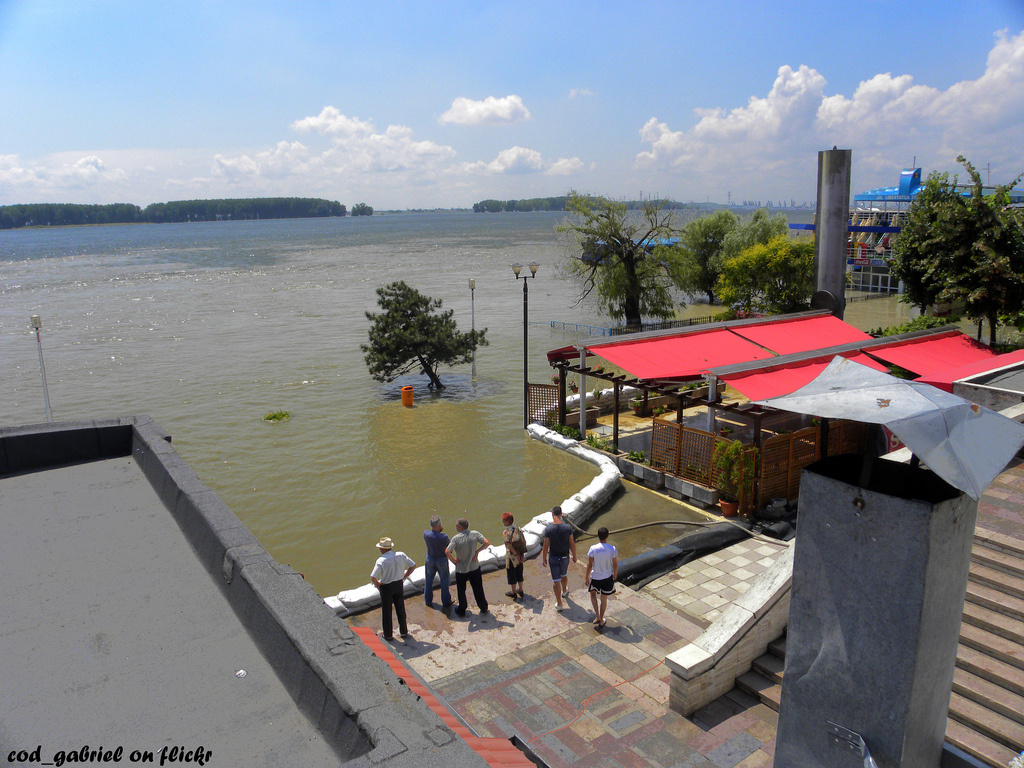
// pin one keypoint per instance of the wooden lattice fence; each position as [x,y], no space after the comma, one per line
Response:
[543,404]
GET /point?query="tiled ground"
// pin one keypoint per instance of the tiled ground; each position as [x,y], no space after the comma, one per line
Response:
[703,588]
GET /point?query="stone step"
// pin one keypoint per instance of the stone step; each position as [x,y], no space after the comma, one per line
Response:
[1006,627]
[995,578]
[998,541]
[990,694]
[1008,562]
[989,668]
[770,666]
[995,600]
[990,724]
[778,647]
[995,646]
[766,691]
[990,752]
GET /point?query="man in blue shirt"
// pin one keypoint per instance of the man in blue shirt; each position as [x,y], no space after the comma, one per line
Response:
[437,563]
[558,539]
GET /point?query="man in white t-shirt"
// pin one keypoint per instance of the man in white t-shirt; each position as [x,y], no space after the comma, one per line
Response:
[602,570]
[388,575]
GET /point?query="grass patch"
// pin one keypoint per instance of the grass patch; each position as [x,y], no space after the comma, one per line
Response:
[277,416]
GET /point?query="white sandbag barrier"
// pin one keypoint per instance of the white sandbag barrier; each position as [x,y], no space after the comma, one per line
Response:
[577,509]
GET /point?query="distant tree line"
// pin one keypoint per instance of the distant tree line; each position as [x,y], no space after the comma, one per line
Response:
[559,204]
[362,209]
[69,214]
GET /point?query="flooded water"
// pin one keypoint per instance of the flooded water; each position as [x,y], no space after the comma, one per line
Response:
[208,327]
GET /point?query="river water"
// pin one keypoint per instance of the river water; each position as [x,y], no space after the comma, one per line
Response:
[208,327]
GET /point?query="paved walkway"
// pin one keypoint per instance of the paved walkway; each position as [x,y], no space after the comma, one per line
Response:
[580,697]
[575,694]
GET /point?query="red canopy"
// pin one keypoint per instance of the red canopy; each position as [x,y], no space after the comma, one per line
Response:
[943,379]
[774,381]
[936,352]
[801,334]
[680,356]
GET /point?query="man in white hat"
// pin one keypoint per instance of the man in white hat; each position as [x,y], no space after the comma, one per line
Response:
[388,575]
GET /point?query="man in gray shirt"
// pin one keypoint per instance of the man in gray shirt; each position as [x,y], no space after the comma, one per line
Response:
[463,550]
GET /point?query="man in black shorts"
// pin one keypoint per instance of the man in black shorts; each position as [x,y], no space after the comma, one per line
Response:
[559,544]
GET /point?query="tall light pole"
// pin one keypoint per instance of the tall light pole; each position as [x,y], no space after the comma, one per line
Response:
[517,268]
[472,317]
[37,323]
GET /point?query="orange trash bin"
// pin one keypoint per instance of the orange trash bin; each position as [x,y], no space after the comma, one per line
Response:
[407,396]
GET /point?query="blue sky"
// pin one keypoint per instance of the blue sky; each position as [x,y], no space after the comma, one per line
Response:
[408,104]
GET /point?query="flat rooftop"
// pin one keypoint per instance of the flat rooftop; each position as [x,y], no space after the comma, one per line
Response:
[139,613]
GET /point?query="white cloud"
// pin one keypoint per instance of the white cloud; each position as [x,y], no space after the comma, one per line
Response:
[888,120]
[565,166]
[490,111]
[576,92]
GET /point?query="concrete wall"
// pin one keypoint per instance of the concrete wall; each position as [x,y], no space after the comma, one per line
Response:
[708,667]
[355,700]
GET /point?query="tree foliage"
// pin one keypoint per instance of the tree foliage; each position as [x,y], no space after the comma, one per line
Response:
[761,227]
[702,242]
[69,214]
[963,248]
[411,332]
[362,209]
[769,278]
[614,251]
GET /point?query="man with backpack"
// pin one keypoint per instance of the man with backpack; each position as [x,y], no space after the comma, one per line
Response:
[515,555]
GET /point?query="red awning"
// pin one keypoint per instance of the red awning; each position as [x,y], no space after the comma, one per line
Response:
[943,379]
[681,356]
[775,381]
[801,334]
[933,353]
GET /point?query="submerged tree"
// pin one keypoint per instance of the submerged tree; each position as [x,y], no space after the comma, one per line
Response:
[616,252]
[963,248]
[702,243]
[411,332]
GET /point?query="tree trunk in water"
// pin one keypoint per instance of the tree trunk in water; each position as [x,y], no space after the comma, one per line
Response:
[992,321]
[435,382]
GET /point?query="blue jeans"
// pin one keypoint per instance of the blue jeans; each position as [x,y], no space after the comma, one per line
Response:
[438,565]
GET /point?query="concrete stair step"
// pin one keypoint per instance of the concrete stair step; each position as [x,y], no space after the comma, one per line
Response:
[778,647]
[995,578]
[998,541]
[766,691]
[989,668]
[990,724]
[993,645]
[770,666]
[990,694]
[1008,562]
[996,600]
[990,752]
[1007,627]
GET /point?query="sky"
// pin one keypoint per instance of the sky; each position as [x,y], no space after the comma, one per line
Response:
[439,105]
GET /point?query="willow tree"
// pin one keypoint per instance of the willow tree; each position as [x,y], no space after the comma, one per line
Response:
[963,248]
[413,333]
[620,255]
[770,278]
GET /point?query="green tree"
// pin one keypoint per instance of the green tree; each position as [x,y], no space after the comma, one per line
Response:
[702,243]
[362,209]
[965,249]
[615,251]
[411,332]
[769,278]
[761,227]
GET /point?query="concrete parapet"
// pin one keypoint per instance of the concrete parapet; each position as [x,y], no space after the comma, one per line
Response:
[708,667]
[357,703]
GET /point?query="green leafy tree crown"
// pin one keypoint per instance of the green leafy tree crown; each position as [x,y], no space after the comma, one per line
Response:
[412,332]
[769,278]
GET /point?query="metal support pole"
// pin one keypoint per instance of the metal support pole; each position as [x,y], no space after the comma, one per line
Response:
[37,324]
[526,359]
[472,317]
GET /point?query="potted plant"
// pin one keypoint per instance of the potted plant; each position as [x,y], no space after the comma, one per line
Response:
[637,404]
[725,431]
[574,387]
[735,463]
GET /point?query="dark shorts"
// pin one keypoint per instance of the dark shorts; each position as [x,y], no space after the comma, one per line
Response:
[559,567]
[514,574]
[604,586]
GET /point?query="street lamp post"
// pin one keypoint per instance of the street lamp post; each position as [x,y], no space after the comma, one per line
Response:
[517,268]
[472,317]
[37,323]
